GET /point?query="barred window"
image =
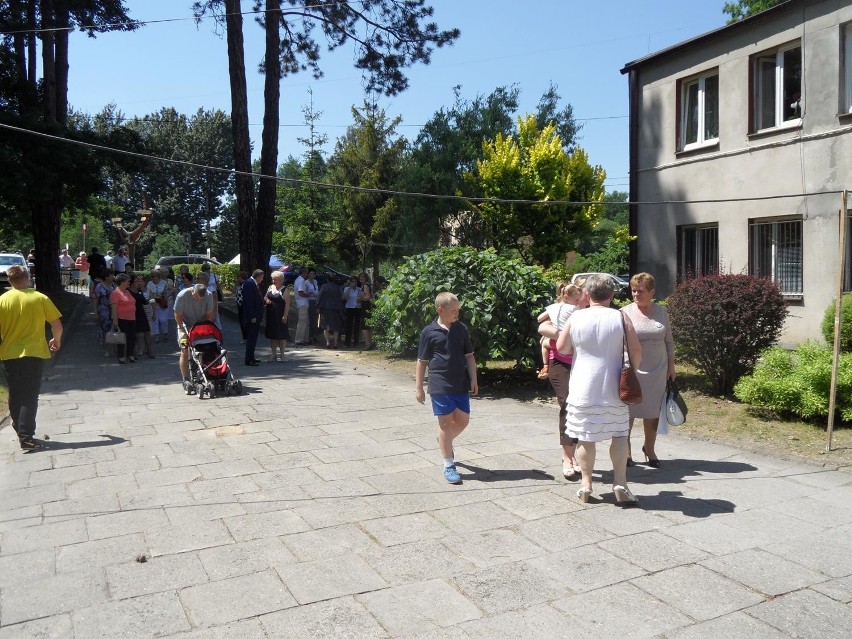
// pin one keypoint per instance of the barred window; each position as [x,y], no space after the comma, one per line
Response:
[698,251]
[775,251]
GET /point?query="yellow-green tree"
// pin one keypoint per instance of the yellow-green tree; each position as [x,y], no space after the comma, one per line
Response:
[533,166]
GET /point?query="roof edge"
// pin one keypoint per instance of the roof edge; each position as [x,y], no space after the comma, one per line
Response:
[686,44]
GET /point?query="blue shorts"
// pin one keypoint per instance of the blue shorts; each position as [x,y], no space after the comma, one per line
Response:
[446,404]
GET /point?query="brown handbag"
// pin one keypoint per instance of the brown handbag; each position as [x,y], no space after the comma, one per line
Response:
[629,390]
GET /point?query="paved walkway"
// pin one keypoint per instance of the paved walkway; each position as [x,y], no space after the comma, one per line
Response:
[314,506]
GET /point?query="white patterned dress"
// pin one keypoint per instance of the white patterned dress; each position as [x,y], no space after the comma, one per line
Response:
[594,411]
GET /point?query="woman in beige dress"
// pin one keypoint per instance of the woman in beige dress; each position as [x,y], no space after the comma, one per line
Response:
[651,322]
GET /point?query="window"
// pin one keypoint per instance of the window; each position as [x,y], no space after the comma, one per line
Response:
[775,251]
[847,68]
[700,111]
[777,97]
[698,251]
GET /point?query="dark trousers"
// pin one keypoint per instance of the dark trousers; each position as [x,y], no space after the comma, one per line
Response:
[23,377]
[242,320]
[352,325]
[128,327]
[559,373]
[313,320]
[252,331]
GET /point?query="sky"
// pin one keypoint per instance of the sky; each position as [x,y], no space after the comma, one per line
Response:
[580,47]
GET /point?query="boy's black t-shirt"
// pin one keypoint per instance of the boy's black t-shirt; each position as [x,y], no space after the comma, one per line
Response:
[445,351]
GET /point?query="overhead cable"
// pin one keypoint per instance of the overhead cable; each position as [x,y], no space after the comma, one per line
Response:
[361,189]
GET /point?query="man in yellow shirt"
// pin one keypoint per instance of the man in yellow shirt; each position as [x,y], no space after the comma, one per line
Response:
[23,313]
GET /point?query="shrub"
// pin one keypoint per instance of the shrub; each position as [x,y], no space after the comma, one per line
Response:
[722,323]
[500,300]
[845,323]
[798,382]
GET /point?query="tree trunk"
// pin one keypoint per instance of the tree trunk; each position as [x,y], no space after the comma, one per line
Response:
[249,255]
[269,146]
[31,43]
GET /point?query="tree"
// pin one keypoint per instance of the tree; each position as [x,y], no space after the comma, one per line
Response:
[448,147]
[534,166]
[43,171]
[388,36]
[368,156]
[742,9]
[306,220]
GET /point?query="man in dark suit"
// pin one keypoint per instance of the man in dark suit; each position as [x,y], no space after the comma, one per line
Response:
[252,313]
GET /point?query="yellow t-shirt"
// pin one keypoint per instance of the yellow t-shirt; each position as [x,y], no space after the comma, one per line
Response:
[22,316]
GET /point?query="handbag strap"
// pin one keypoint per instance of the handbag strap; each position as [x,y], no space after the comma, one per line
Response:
[624,338]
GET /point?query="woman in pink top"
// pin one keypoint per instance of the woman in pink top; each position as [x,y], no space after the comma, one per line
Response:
[124,315]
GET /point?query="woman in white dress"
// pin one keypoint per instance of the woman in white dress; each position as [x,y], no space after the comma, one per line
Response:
[595,335]
[651,322]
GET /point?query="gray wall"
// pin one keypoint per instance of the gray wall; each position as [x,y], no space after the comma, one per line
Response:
[816,157]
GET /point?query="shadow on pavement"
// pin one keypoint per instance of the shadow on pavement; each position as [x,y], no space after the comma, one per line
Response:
[488,475]
[52,444]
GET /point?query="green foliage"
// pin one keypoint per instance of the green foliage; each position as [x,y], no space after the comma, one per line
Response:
[168,241]
[370,156]
[798,382]
[500,299]
[534,166]
[845,323]
[613,257]
[722,323]
[71,231]
[742,9]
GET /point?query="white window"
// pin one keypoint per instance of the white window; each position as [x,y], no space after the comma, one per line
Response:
[698,251]
[778,99]
[700,111]
[776,252]
[847,68]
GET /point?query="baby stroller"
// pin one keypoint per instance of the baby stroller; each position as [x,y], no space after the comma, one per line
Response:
[209,373]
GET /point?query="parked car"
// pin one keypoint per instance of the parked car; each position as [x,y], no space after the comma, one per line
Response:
[170,261]
[7,260]
[622,284]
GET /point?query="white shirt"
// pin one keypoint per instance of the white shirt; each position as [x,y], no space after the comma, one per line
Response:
[66,261]
[299,286]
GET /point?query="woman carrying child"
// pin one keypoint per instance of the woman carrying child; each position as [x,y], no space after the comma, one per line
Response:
[557,367]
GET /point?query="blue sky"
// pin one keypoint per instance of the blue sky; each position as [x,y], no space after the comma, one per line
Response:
[579,46]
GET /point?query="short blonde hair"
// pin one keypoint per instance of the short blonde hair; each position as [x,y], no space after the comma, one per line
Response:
[644,279]
[445,299]
[277,275]
[571,290]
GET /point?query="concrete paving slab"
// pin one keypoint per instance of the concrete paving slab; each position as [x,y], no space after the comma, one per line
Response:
[508,587]
[220,602]
[419,607]
[764,572]
[339,576]
[158,615]
[132,578]
[806,614]
[51,595]
[737,625]
[392,531]
[245,558]
[342,616]
[95,555]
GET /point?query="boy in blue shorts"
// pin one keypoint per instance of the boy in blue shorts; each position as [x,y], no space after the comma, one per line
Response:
[445,347]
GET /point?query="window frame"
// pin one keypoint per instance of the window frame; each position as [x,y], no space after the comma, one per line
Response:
[701,98]
[778,79]
[776,263]
[697,249]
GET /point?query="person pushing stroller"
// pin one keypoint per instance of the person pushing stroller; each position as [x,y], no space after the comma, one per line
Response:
[192,305]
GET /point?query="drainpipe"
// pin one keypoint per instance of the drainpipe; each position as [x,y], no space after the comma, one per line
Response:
[633,128]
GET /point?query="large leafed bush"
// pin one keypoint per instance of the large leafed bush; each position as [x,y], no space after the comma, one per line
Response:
[500,299]
[845,323]
[798,382]
[722,323]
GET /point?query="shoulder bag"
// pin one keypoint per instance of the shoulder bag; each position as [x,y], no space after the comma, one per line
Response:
[629,390]
[115,336]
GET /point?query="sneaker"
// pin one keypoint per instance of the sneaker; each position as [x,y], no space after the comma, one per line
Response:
[452,475]
[31,443]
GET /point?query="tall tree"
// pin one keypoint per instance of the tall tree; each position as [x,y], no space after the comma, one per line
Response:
[447,148]
[368,156]
[45,170]
[742,9]
[388,36]
[534,166]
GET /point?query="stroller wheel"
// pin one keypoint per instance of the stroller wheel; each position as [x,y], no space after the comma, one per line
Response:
[210,389]
[238,387]
[199,389]
[188,388]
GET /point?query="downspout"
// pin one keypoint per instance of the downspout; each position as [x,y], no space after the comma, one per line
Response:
[633,128]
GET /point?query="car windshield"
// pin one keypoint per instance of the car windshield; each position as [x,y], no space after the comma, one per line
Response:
[11,260]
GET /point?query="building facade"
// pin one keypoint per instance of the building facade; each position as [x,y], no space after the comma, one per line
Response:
[740,147]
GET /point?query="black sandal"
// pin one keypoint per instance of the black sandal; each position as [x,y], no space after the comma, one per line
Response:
[31,443]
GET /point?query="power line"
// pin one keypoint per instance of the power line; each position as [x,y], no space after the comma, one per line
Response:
[361,189]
